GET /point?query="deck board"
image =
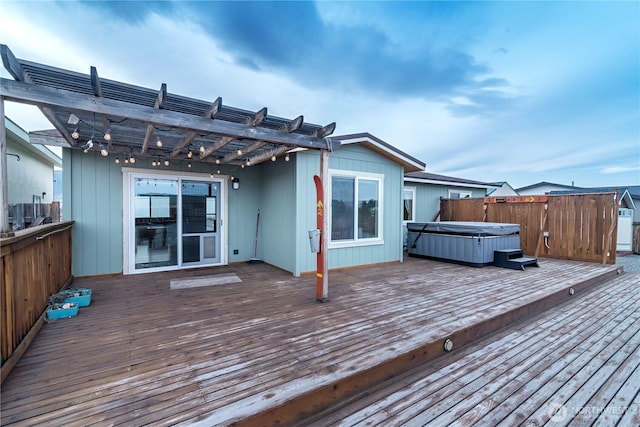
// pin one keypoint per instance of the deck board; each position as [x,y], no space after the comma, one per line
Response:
[144,354]
[582,355]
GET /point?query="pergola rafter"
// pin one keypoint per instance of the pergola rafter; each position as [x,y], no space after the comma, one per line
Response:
[133,115]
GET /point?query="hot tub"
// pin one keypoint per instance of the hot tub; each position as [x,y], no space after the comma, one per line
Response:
[469,243]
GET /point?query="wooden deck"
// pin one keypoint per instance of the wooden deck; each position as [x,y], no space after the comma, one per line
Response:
[263,351]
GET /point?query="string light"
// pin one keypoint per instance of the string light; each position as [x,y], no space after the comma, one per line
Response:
[189,154]
[273,158]
[201,149]
[103,150]
[117,160]
[75,134]
[158,143]
[286,158]
[107,135]
[217,160]
[166,162]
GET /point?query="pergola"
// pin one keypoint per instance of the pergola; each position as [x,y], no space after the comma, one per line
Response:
[93,113]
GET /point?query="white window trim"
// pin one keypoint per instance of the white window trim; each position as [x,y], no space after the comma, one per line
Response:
[128,175]
[358,241]
[413,205]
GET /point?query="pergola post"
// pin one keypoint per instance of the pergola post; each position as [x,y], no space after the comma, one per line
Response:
[4,190]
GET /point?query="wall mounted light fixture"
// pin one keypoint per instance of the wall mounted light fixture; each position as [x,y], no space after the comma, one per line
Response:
[235,183]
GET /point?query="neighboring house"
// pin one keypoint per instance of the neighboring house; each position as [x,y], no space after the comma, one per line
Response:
[628,211]
[30,172]
[503,189]
[542,188]
[423,191]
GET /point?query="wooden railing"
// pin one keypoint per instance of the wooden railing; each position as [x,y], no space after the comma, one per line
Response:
[36,263]
[579,227]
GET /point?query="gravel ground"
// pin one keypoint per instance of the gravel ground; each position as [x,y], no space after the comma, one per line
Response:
[631,262]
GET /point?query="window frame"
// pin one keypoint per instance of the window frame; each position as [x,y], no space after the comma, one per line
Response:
[357,241]
[413,191]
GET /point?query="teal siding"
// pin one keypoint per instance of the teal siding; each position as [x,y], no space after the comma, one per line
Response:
[92,195]
[307,165]
[278,214]
[428,198]
[283,191]
[242,210]
[354,158]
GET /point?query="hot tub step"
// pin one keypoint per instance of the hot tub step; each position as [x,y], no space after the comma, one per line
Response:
[513,258]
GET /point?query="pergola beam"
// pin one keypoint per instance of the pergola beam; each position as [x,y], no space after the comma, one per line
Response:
[216,146]
[257,118]
[267,155]
[209,114]
[44,96]
[234,155]
[162,94]
[293,125]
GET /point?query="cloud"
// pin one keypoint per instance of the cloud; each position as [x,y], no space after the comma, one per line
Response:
[292,38]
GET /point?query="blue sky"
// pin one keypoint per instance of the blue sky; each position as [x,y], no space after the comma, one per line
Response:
[493,91]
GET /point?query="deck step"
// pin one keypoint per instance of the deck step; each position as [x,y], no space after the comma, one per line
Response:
[512,258]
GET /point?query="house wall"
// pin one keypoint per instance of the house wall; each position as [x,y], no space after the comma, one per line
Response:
[283,191]
[428,198]
[92,190]
[276,240]
[30,176]
[352,157]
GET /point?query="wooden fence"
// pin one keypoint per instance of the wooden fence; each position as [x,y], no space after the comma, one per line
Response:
[578,227]
[36,263]
[636,239]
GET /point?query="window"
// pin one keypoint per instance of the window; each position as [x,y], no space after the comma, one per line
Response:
[356,208]
[409,203]
[457,194]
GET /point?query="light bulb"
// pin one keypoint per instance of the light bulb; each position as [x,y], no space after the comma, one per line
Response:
[239,152]
[189,154]
[211,174]
[273,158]
[117,160]
[189,165]
[103,150]
[166,162]
[217,161]
[158,143]
[286,158]
[75,134]
[107,135]
[132,159]
[201,149]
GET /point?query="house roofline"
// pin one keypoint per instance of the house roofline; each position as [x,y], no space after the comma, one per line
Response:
[410,163]
[22,137]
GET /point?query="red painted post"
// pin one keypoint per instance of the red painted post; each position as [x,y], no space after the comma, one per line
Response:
[320,226]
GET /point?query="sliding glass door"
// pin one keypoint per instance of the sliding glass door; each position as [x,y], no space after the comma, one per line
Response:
[176,222]
[155,209]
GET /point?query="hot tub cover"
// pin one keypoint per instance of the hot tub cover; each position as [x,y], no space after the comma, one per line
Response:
[465,228]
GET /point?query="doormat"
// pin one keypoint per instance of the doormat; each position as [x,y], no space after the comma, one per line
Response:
[198,282]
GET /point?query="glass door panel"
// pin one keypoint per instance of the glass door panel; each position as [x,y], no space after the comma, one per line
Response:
[156,225]
[200,237]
